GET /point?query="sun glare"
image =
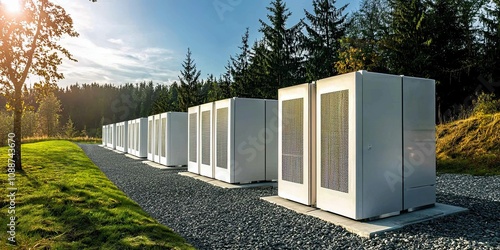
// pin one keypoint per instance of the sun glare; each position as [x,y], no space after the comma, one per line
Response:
[11,5]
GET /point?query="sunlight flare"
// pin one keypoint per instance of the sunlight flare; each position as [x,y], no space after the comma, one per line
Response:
[11,5]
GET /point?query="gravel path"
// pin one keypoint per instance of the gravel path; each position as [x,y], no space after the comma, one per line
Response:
[214,218]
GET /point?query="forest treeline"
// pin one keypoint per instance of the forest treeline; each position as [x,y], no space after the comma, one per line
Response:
[455,42]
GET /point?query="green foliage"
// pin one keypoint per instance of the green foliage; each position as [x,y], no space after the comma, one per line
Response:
[190,87]
[66,202]
[486,104]
[281,52]
[470,145]
[326,27]
[48,115]
[69,129]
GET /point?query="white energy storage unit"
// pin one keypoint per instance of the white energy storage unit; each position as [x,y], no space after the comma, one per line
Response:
[104,134]
[111,131]
[151,137]
[173,138]
[296,143]
[157,136]
[138,141]
[375,144]
[244,136]
[193,139]
[206,142]
[121,136]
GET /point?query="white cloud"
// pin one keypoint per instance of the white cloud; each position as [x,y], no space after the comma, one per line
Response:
[116,41]
[110,52]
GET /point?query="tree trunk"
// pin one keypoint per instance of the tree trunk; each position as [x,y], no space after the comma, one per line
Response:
[18,114]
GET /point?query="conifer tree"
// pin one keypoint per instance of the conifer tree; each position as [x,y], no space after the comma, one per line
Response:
[325,27]
[189,89]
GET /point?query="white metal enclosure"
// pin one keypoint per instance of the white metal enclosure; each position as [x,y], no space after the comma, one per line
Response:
[111,141]
[157,137]
[206,142]
[103,135]
[121,136]
[193,139]
[131,137]
[272,140]
[139,137]
[151,138]
[368,125]
[241,140]
[419,138]
[174,138]
[296,143]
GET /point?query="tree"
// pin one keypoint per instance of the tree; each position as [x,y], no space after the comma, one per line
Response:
[29,45]
[326,27]
[189,90]
[48,115]
[242,85]
[69,128]
[491,33]
[362,47]
[283,58]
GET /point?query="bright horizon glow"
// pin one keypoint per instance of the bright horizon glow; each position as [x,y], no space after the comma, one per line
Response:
[11,5]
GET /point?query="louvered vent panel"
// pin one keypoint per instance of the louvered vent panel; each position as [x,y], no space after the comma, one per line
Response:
[205,137]
[335,140]
[222,135]
[193,145]
[157,137]
[150,135]
[163,136]
[293,140]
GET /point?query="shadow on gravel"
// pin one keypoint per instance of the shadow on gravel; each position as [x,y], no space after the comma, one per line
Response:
[481,222]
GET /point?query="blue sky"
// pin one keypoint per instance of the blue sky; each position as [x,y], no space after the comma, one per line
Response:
[136,40]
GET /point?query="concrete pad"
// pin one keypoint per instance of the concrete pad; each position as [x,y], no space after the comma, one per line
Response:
[297,207]
[118,152]
[133,157]
[222,184]
[369,229]
[159,166]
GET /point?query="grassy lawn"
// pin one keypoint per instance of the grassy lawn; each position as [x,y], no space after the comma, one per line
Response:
[469,146]
[65,202]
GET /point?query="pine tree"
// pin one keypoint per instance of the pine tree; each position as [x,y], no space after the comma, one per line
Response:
[189,89]
[491,33]
[325,28]
[69,128]
[362,47]
[284,51]
[239,69]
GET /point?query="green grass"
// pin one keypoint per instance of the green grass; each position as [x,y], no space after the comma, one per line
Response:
[93,140]
[65,202]
[469,146]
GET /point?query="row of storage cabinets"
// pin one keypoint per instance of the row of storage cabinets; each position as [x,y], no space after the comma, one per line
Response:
[361,145]
[233,140]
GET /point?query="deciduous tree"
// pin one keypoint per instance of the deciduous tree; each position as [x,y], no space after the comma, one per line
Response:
[29,42]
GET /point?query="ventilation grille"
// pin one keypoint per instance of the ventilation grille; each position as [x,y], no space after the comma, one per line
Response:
[157,137]
[137,136]
[164,136]
[293,141]
[205,138]
[335,140]
[193,146]
[222,134]
[150,135]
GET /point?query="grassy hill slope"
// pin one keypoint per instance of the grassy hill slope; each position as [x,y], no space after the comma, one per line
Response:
[470,146]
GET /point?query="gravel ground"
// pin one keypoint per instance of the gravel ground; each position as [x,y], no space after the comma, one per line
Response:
[214,218]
